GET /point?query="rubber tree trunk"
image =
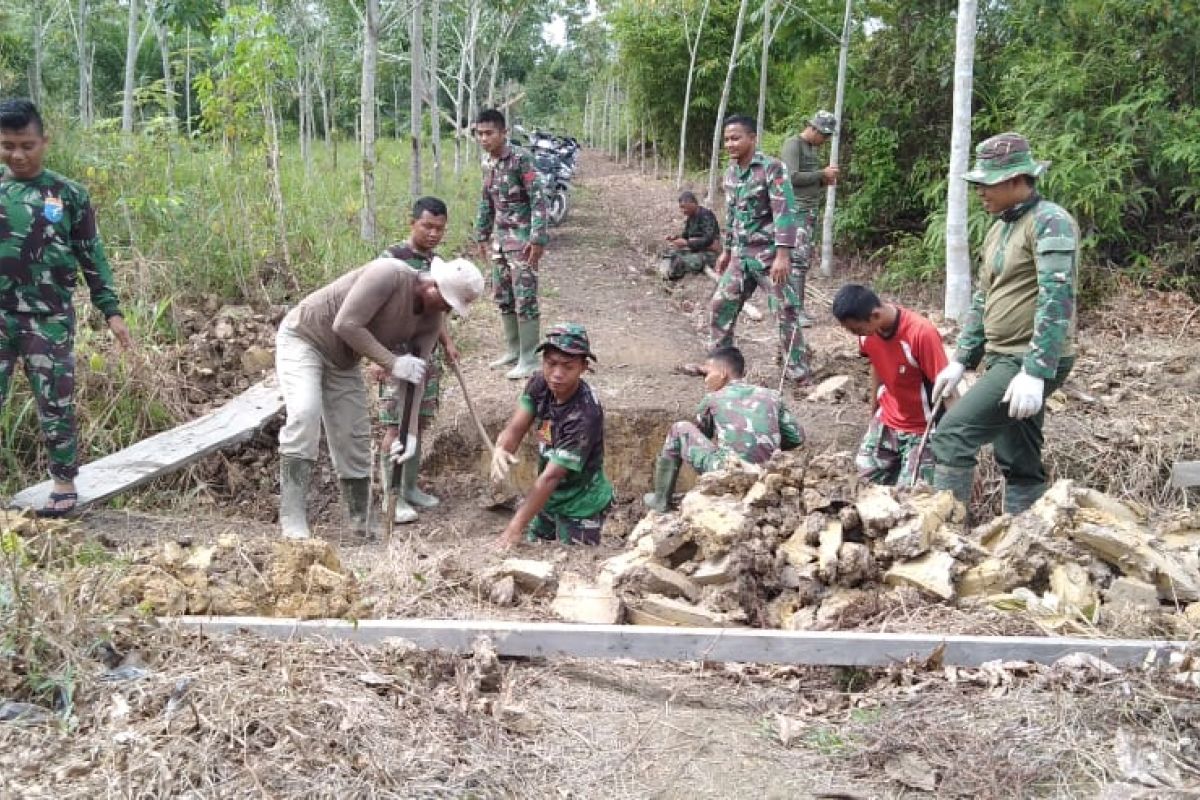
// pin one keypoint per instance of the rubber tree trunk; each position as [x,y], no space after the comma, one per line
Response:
[35,66]
[163,34]
[131,48]
[693,50]
[434,91]
[83,54]
[416,69]
[714,160]
[958,256]
[366,124]
[762,68]
[835,146]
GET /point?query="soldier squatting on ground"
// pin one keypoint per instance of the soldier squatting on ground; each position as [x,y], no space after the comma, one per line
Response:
[906,355]
[760,232]
[734,420]
[800,156]
[1021,326]
[48,236]
[512,216]
[696,248]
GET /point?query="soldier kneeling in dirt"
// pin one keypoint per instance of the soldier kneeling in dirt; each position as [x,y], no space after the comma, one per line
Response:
[697,247]
[369,312]
[571,496]
[749,422]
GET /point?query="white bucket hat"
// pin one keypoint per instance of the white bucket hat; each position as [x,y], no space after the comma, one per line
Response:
[459,281]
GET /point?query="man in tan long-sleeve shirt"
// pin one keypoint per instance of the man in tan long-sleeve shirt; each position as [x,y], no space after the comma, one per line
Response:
[370,312]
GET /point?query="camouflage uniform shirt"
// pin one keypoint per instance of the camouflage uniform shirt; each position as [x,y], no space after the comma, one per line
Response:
[570,434]
[404,251]
[760,210]
[47,236]
[749,421]
[804,167]
[1025,301]
[701,230]
[513,203]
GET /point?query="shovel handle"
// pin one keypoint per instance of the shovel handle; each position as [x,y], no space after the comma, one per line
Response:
[471,407]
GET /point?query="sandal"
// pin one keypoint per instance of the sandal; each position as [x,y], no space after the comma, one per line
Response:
[50,512]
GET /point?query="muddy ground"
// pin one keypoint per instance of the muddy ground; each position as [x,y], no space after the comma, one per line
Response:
[300,721]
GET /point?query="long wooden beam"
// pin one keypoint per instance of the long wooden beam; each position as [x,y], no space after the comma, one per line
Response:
[653,643]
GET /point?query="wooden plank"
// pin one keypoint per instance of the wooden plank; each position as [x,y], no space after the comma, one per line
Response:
[654,643]
[1185,474]
[168,451]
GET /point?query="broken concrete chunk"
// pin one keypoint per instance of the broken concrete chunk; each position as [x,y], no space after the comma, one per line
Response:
[932,573]
[579,600]
[656,579]
[529,575]
[877,508]
[658,610]
[659,535]
[830,389]
[1131,593]
[713,570]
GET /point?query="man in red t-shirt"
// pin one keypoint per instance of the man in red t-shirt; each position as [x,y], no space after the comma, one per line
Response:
[906,355]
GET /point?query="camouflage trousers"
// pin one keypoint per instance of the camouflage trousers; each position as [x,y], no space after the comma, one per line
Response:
[431,398]
[803,251]
[686,442]
[743,275]
[889,457]
[45,345]
[514,284]
[681,262]
[549,527]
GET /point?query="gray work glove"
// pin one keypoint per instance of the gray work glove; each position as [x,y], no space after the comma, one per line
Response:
[409,368]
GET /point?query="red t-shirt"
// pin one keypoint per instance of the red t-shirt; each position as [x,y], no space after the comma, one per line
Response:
[907,363]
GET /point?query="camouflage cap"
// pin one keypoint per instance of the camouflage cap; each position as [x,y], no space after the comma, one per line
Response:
[825,122]
[1004,156]
[569,337]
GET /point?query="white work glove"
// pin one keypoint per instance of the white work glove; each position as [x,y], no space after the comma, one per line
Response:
[1024,395]
[400,451]
[947,380]
[502,462]
[408,368]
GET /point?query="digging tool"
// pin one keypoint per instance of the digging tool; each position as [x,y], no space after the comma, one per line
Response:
[508,494]
[403,450]
[912,481]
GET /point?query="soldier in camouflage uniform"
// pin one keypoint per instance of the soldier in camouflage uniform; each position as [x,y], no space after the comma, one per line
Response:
[760,231]
[734,420]
[428,226]
[571,496]
[808,180]
[696,248]
[1021,325]
[512,215]
[48,236]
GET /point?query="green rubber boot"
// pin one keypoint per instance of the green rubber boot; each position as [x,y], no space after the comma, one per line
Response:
[294,477]
[527,364]
[512,342]
[666,472]
[412,494]
[356,492]
[1021,498]
[404,512]
[959,480]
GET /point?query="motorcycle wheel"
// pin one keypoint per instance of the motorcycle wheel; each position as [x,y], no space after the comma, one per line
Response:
[558,208]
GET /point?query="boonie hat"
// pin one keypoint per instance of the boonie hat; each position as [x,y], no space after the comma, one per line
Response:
[1004,156]
[825,122]
[569,337]
[459,282]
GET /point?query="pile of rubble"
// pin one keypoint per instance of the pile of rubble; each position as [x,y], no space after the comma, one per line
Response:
[236,577]
[794,544]
[226,348]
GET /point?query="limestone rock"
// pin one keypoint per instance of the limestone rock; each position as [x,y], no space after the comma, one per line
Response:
[835,605]
[658,610]
[579,600]
[909,539]
[1133,551]
[827,551]
[878,509]
[713,571]
[830,389]
[618,565]
[1072,584]
[653,578]
[854,564]
[529,575]
[990,576]
[1131,593]
[932,573]
[659,535]
[736,477]
[716,522]
[503,592]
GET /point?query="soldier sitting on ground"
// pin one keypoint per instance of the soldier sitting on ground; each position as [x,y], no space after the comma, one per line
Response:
[697,247]
[748,422]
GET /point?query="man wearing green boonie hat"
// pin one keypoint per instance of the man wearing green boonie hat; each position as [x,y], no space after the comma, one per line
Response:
[1021,326]
[571,496]
[809,179]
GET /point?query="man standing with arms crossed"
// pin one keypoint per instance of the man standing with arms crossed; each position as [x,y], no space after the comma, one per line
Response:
[760,232]
[1021,326]
[512,216]
[808,179]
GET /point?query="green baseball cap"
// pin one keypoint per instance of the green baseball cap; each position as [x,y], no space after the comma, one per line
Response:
[1004,156]
[825,122]
[570,338]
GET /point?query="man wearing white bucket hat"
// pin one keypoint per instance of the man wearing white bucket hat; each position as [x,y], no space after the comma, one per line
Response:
[369,312]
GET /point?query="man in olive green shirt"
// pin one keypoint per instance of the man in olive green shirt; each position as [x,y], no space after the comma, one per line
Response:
[809,179]
[1021,325]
